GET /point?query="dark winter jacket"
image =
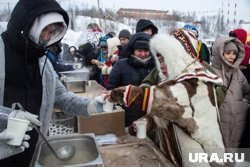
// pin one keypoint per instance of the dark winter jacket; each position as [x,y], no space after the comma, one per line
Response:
[142,24]
[124,53]
[23,81]
[58,63]
[128,71]
[20,51]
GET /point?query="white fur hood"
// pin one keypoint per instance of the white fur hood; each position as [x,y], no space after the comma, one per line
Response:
[180,64]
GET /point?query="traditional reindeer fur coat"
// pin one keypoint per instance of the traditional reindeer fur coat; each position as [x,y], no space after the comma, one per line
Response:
[186,97]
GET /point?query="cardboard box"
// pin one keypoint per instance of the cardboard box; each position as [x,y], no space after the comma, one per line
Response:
[103,123]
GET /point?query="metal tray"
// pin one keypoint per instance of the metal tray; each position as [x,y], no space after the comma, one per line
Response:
[87,152]
[76,75]
[137,154]
[75,86]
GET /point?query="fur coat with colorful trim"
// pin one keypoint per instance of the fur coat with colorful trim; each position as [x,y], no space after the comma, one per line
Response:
[186,97]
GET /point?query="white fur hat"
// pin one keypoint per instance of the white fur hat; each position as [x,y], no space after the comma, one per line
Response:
[112,45]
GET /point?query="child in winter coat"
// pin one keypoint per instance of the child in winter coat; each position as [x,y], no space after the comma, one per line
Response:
[228,53]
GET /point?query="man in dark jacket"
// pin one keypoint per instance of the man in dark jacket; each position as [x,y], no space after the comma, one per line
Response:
[132,70]
[23,48]
[28,78]
[55,57]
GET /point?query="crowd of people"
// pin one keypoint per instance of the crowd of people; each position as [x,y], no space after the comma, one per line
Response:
[177,69]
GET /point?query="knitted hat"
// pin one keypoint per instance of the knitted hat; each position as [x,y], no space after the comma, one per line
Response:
[230,46]
[124,33]
[141,44]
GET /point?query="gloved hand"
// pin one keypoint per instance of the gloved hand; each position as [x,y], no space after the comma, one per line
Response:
[97,63]
[5,136]
[9,150]
[26,116]
[96,104]
[114,58]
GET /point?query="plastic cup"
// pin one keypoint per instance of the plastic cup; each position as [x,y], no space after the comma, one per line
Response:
[108,106]
[17,127]
[141,127]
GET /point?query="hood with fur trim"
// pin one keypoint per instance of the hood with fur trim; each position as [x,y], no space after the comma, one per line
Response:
[180,57]
[175,56]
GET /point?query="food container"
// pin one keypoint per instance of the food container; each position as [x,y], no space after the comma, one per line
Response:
[87,152]
[76,75]
[75,81]
[75,86]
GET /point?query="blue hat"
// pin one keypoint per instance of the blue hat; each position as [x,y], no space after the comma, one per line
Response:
[191,27]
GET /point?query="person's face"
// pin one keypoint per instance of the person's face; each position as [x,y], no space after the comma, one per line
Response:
[103,48]
[163,66]
[230,56]
[47,33]
[142,53]
[148,31]
[124,41]
[72,50]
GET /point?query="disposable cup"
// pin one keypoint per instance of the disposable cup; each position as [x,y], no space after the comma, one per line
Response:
[108,106]
[17,127]
[141,127]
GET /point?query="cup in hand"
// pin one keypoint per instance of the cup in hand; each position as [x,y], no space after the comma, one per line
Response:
[141,127]
[17,127]
[108,106]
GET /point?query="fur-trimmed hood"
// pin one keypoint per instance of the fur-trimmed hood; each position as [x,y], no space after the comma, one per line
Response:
[180,57]
[175,56]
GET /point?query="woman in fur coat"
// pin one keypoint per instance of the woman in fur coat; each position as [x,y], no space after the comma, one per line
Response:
[183,105]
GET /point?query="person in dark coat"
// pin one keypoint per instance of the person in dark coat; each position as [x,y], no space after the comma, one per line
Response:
[143,25]
[27,77]
[124,37]
[147,26]
[88,53]
[55,57]
[132,70]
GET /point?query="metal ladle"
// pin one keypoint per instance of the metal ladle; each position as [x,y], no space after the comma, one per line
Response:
[64,153]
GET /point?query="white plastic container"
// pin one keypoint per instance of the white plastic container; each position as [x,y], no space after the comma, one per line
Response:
[141,126]
[108,106]
[17,127]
